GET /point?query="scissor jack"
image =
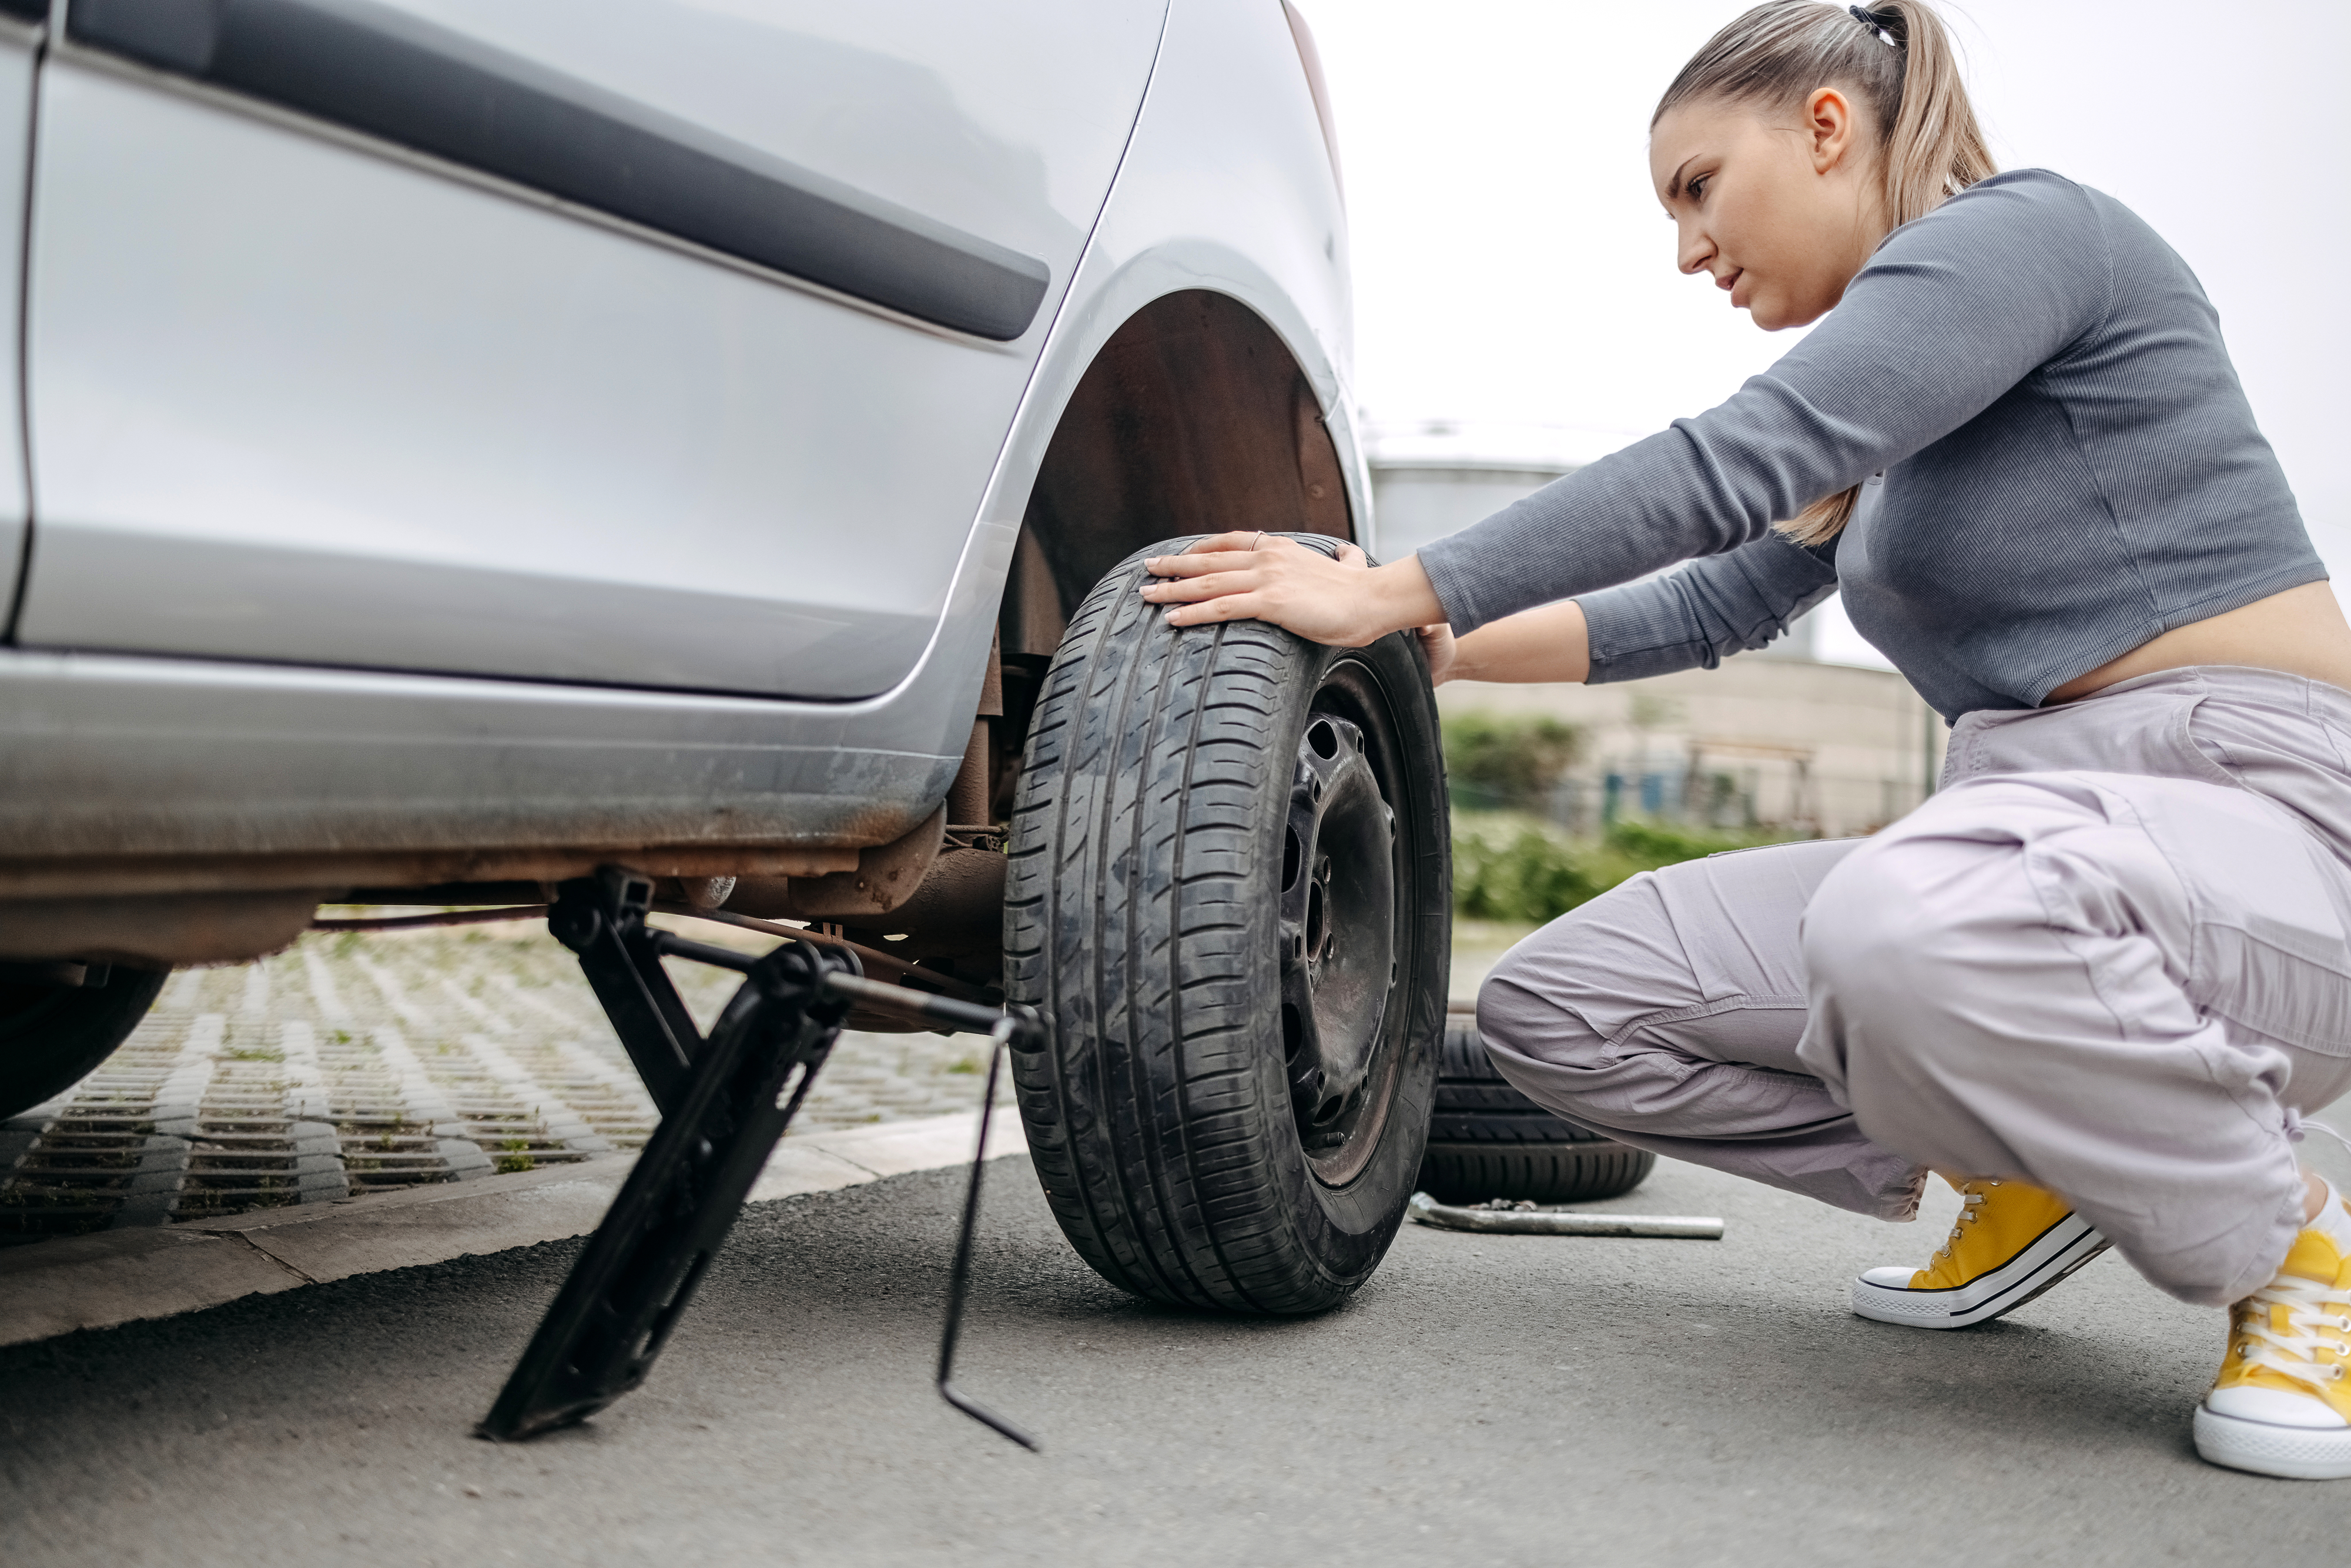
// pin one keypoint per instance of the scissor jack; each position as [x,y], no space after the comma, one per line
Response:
[724,1101]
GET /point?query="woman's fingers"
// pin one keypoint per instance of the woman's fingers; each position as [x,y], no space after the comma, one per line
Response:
[1193,565]
[1215,574]
[1191,590]
[1437,642]
[1243,576]
[1238,539]
[1231,606]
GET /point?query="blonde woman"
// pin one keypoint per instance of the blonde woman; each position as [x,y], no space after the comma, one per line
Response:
[2097,978]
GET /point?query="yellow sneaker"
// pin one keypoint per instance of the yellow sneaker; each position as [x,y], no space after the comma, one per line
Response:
[2282,1406]
[2011,1242]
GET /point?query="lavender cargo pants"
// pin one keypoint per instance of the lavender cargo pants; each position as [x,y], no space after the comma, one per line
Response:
[2109,958]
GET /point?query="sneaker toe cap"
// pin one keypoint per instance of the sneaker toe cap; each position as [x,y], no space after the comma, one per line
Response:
[2272,1407]
[1894,1278]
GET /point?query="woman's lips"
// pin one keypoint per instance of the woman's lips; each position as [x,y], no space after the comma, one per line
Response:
[1729,283]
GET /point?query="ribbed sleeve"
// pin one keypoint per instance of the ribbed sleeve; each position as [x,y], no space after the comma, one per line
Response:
[1702,614]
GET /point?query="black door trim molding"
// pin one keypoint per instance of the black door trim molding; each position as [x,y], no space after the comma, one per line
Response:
[383,73]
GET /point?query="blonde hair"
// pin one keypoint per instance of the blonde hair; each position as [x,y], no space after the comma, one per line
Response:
[1900,62]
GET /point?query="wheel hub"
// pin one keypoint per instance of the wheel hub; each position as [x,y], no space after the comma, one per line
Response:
[1338,930]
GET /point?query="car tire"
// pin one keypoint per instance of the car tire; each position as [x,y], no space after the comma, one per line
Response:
[52,1037]
[1487,1140]
[1243,995]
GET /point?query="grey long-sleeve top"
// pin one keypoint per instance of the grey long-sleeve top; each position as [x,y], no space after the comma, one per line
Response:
[2060,465]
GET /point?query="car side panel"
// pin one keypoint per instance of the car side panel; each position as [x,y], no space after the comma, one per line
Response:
[302,399]
[1226,186]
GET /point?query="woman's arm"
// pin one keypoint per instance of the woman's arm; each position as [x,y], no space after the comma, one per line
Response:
[1952,311]
[1695,617]
[1546,643]
[1347,601]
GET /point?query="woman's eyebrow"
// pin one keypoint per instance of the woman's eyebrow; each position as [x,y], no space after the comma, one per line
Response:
[1674,184]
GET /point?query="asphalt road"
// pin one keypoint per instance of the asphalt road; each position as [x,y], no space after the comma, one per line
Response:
[1485,1400]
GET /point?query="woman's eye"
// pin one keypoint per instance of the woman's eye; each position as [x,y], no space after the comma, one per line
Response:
[1695,189]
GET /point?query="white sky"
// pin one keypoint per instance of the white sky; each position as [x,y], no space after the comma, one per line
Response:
[1513,270]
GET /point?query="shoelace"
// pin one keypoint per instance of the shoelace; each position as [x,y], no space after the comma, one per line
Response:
[1970,1200]
[2294,1352]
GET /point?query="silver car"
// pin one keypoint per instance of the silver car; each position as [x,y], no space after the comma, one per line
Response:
[463,443]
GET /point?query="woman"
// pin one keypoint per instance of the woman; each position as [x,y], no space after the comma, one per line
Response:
[2107,961]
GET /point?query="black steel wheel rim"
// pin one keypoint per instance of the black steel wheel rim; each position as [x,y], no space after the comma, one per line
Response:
[1341,936]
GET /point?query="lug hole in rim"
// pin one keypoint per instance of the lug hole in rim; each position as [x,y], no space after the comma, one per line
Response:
[1294,858]
[1323,737]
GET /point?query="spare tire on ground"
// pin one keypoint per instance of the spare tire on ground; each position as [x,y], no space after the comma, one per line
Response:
[1488,1140]
[1229,896]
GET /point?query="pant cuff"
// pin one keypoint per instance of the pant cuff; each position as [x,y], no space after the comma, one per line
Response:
[1900,1202]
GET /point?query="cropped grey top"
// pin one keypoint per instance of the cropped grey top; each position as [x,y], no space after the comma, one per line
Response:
[2057,465]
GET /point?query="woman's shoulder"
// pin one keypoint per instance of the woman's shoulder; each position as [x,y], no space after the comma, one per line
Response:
[2026,201]
[2034,221]
[2040,214]
[2026,245]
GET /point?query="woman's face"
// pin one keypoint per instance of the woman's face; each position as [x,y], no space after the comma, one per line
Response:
[1780,208]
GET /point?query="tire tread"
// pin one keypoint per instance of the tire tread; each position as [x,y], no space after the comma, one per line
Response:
[1127,925]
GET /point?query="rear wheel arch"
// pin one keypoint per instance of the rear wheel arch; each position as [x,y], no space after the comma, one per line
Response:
[1193,417]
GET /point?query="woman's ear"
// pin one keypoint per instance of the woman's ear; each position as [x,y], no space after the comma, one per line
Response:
[1829,124]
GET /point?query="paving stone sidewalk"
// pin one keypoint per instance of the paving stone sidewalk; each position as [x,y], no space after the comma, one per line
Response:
[360,1063]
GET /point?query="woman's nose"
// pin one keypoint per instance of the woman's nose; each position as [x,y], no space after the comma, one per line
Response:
[1693,249]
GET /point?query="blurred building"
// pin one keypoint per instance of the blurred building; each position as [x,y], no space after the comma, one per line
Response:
[1770,740]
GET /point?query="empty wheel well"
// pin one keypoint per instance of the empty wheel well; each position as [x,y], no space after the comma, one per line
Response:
[1194,418]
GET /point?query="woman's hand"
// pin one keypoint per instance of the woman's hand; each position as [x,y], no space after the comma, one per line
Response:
[1437,642]
[1345,601]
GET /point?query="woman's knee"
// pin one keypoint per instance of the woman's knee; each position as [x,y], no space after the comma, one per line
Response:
[1529,1005]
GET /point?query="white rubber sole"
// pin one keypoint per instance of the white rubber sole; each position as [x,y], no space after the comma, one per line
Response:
[2296,1453]
[2054,1254]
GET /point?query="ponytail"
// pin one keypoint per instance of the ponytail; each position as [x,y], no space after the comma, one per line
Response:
[1898,59]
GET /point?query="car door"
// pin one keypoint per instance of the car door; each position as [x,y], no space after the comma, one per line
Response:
[647,343]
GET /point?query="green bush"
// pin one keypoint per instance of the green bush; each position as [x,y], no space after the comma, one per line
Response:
[1505,868]
[1666,844]
[1530,877]
[1494,761]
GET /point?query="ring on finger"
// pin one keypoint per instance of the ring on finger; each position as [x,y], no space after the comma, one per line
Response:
[1258,540]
